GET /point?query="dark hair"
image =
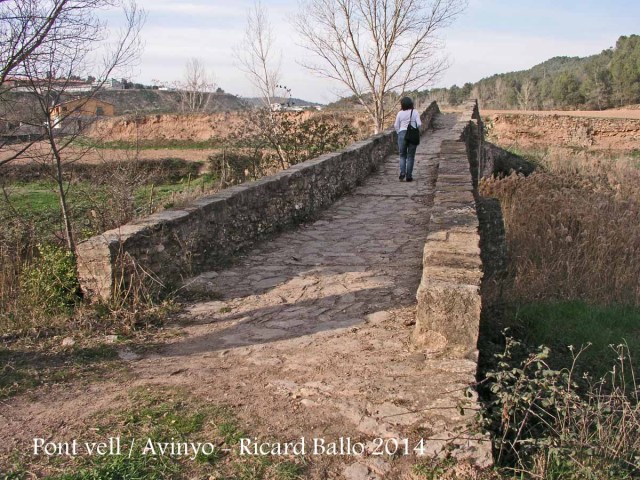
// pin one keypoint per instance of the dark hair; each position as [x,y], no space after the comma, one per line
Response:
[406,103]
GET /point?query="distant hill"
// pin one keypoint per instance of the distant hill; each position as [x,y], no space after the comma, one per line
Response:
[608,79]
[352,102]
[159,101]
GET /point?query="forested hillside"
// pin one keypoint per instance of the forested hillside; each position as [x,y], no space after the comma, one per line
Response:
[609,79]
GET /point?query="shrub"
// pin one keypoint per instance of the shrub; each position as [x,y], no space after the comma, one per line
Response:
[548,424]
[232,166]
[50,283]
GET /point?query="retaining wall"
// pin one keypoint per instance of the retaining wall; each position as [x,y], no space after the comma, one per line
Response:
[174,244]
[449,301]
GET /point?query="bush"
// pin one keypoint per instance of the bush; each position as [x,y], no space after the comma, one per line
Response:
[550,425]
[50,283]
[233,166]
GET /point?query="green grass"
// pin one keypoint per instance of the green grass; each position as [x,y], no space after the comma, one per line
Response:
[36,197]
[122,467]
[42,197]
[576,323]
[289,471]
[433,469]
[161,415]
[39,201]
[162,193]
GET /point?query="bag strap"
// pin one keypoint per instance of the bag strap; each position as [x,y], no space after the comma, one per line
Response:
[411,115]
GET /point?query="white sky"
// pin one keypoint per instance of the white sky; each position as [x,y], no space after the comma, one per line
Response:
[492,36]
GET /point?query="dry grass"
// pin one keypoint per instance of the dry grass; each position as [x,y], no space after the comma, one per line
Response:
[573,229]
[17,244]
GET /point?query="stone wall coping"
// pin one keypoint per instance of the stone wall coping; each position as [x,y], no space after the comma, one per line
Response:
[449,303]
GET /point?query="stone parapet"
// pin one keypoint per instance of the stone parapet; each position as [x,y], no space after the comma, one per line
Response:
[178,243]
[449,302]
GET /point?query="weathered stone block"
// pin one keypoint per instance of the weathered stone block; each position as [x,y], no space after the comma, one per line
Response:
[443,218]
[448,317]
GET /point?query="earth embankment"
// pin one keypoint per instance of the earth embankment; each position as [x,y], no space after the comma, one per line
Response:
[610,130]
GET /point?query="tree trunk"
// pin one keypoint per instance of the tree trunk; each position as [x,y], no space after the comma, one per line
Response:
[62,196]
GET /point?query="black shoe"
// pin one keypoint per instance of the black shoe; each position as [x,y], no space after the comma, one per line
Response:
[401,177]
[409,179]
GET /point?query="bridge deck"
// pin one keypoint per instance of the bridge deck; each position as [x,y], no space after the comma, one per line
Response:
[311,330]
[309,333]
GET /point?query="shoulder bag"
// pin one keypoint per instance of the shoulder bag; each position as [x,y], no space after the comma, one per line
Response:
[412,137]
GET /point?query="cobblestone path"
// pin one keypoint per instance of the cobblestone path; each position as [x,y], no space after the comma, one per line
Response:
[312,329]
[308,334]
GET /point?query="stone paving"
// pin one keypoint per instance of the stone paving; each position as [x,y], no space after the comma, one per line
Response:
[314,325]
[364,255]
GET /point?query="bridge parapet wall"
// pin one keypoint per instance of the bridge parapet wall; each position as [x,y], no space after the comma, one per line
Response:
[449,302]
[174,244]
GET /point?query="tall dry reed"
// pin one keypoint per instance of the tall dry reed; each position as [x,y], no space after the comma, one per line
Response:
[573,229]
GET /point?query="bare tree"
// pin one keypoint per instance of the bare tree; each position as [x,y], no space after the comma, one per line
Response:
[526,95]
[261,64]
[373,47]
[503,92]
[257,55]
[478,92]
[30,29]
[26,28]
[195,90]
[77,41]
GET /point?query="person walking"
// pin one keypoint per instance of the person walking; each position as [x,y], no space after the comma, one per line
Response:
[407,151]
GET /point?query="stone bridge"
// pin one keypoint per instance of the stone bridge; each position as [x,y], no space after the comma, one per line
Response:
[334,300]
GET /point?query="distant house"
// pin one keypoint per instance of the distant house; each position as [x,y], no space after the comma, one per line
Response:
[77,86]
[43,85]
[114,84]
[79,110]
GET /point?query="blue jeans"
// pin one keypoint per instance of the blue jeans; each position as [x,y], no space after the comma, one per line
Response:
[407,155]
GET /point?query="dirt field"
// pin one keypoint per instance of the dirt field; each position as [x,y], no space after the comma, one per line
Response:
[94,156]
[163,129]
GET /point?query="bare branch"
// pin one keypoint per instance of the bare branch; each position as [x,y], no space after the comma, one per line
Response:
[374,47]
[45,44]
[196,88]
[256,54]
